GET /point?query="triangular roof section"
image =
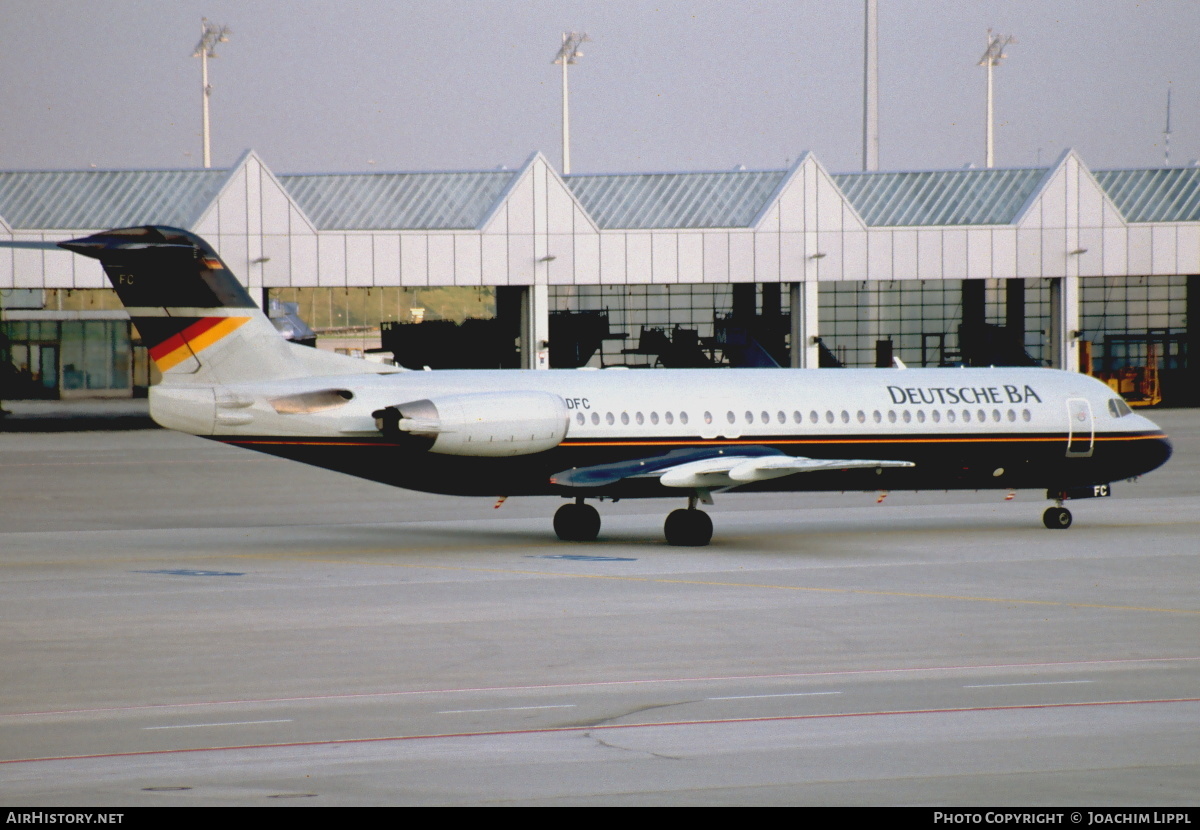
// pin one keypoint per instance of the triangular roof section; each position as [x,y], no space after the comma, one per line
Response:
[807,167]
[249,163]
[93,199]
[522,173]
[564,182]
[1070,171]
[201,212]
[772,203]
[534,165]
[250,156]
[443,200]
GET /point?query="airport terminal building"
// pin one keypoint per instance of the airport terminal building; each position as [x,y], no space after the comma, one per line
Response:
[1086,270]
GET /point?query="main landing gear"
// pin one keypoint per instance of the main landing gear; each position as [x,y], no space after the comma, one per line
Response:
[688,528]
[577,522]
[580,522]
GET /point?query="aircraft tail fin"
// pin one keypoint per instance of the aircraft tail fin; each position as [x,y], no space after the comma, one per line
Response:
[197,321]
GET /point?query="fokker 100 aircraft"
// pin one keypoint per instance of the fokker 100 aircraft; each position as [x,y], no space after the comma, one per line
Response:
[228,375]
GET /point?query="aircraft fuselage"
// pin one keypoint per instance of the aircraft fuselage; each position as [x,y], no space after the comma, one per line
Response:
[990,428]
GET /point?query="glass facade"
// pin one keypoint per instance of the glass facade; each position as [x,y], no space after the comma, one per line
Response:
[67,358]
[327,309]
[921,318]
[633,308]
[1124,317]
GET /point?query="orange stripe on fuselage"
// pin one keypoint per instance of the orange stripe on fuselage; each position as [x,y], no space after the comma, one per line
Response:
[194,339]
[889,439]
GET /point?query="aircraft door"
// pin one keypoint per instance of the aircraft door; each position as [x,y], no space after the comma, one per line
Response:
[1081,428]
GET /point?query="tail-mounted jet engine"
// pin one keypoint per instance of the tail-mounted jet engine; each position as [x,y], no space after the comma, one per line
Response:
[483,424]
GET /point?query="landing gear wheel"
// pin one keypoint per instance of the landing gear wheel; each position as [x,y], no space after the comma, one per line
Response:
[1057,518]
[688,528]
[577,523]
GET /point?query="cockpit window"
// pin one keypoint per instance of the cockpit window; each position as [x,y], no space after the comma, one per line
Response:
[1118,408]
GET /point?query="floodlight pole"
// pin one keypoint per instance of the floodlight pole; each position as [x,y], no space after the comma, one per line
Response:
[210,35]
[871,86]
[567,55]
[992,57]
[1167,133]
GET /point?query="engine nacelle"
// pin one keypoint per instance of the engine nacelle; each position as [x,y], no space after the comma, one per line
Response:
[480,424]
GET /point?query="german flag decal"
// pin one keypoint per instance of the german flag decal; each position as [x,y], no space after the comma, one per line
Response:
[197,336]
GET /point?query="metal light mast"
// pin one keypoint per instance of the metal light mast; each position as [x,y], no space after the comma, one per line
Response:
[871,87]
[567,55]
[210,35]
[992,57]
[1167,133]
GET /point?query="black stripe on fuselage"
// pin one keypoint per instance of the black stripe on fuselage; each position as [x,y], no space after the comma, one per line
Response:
[943,462]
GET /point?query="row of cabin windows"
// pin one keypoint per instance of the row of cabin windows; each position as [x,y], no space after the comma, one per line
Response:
[906,416]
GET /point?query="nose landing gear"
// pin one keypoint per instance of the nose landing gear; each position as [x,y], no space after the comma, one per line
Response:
[1057,518]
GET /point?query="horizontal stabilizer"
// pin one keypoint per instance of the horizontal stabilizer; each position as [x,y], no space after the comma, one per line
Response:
[36,246]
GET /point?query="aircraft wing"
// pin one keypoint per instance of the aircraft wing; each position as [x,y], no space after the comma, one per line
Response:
[711,469]
[731,471]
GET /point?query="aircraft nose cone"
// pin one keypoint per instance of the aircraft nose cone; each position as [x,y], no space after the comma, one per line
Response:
[1162,451]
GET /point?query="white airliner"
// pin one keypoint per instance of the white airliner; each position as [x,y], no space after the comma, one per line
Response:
[229,376]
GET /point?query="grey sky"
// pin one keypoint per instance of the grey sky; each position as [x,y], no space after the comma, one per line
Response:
[468,84]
